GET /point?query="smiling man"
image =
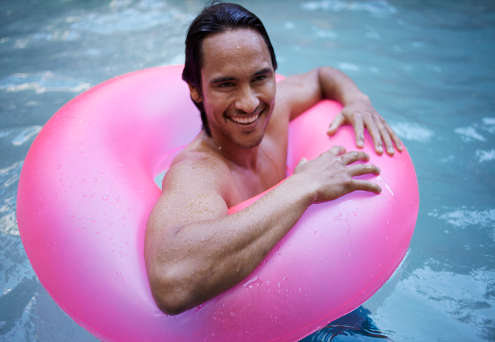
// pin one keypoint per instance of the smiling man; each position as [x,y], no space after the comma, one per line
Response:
[194,250]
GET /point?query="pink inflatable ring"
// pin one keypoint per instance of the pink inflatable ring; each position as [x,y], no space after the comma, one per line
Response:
[87,188]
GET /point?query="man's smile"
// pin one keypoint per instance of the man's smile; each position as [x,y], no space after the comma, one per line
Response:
[246,119]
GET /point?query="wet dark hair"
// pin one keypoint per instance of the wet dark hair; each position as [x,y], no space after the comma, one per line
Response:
[217,18]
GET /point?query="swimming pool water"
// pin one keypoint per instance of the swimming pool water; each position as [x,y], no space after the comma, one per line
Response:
[427,66]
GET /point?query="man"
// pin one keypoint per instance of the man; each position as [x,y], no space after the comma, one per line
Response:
[193,249]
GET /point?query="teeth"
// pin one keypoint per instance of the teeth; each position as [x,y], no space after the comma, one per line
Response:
[245,120]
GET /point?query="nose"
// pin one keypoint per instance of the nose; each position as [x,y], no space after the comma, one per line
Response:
[247,101]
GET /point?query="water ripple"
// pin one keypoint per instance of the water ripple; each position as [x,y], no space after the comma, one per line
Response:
[453,306]
[469,134]
[379,7]
[412,131]
[484,156]
[41,82]
[464,217]
[126,19]
[348,66]
[20,136]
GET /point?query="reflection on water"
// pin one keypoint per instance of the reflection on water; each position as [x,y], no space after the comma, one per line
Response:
[459,307]
[427,66]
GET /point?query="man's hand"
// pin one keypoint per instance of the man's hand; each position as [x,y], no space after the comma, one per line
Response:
[361,114]
[194,250]
[331,174]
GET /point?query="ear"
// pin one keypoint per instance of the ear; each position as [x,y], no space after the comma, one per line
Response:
[195,94]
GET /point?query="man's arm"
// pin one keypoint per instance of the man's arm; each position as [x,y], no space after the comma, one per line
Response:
[194,250]
[300,92]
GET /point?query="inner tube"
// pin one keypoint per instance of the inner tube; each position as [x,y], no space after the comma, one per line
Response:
[87,187]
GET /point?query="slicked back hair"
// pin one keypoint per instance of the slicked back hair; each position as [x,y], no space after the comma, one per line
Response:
[217,18]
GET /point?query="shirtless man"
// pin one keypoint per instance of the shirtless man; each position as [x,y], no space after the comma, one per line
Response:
[193,249]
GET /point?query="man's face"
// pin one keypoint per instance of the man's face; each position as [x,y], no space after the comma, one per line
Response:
[238,86]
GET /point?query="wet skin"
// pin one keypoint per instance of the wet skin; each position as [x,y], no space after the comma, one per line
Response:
[239,103]
[193,249]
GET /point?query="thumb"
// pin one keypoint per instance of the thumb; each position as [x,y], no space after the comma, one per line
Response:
[302,161]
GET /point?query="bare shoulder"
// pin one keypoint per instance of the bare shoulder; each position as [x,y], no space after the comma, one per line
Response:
[193,165]
[194,189]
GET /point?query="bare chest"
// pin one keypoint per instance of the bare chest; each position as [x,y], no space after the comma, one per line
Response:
[248,183]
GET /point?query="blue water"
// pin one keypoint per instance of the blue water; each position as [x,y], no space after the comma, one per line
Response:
[427,66]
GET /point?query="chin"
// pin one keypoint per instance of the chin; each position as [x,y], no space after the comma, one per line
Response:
[251,139]
[254,144]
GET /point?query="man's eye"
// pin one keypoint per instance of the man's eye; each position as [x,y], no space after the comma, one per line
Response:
[259,78]
[226,85]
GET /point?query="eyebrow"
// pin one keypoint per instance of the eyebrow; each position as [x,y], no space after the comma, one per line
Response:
[222,79]
[230,78]
[263,71]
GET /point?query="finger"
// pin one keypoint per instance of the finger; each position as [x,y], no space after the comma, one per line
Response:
[358,184]
[336,123]
[337,150]
[395,138]
[363,169]
[359,131]
[375,134]
[351,157]
[386,137]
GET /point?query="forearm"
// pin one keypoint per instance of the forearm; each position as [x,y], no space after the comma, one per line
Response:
[300,92]
[203,259]
[336,85]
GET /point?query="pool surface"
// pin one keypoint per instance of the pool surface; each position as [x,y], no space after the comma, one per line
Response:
[427,66]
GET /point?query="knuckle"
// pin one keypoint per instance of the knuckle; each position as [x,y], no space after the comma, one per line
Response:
[347,181]
[365,169]
[352,155]
[346,113]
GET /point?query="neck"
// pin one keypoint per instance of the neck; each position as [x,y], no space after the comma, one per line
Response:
[245,157]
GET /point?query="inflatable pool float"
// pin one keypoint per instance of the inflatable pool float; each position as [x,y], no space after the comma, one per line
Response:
[87,188]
